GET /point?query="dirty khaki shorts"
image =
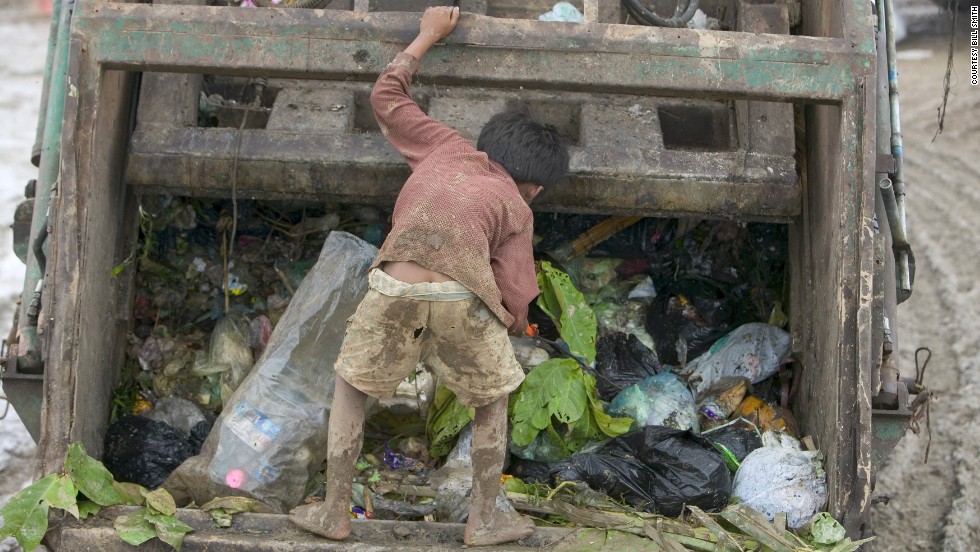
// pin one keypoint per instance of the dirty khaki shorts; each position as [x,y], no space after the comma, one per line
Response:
[443,325]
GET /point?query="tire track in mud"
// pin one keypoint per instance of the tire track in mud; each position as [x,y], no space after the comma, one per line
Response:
[935,506]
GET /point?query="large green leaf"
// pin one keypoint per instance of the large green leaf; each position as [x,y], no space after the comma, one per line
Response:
[134,528]
[446,419]
[169,529]
[557,391]
[571,313]
[25,515]
[554,388]
[160,501]
[91,477]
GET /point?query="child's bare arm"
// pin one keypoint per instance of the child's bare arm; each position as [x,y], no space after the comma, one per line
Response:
[413,133]
[437,22]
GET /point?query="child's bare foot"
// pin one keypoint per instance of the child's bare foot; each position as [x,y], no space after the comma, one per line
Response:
[504,527]
[320,518]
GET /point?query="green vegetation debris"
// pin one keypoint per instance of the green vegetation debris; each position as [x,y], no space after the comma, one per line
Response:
[25,516]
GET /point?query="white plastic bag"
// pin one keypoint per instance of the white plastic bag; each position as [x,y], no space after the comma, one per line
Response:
[755,351]
[781,477]
[563,11]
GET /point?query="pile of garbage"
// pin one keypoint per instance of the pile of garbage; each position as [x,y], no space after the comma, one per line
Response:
[658,383]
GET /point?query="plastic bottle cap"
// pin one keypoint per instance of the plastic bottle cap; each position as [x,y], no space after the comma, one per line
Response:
[234,478]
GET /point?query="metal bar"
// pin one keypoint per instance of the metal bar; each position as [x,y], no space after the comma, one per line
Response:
[49,61]
[315,44]
[901,244]
[29,360]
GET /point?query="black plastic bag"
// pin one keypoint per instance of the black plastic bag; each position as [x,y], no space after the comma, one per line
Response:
[738,439]
[199,434]
[656,469]
[529,471]
[144,451]
[621,360]
[687,318]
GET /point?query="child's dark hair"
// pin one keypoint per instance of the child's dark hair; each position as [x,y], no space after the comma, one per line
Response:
[530,151]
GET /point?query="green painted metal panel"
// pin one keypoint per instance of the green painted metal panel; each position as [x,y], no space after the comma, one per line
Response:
[332,44]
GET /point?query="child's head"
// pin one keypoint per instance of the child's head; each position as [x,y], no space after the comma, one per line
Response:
[530,151]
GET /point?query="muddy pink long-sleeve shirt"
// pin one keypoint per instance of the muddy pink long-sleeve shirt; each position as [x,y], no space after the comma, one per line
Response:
[459,213]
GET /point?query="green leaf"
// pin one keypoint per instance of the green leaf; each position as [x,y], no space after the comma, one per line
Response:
[87,508]
[63,494]
[557,391]
[134,528]
[91,477]
[541,418]
[824,529]
[446,419]
[540,396]
[568,309]
[220,517]
[168,528]
[160,501]
[524,433]
[231,504]
[515,485]
[611,427]
[25,516]
[730,460]
[130,493]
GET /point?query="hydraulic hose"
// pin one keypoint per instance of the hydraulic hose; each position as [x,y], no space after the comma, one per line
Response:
[682,15]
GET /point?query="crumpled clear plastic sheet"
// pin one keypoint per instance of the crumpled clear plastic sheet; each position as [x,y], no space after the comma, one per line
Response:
[755,351]
[781,477]
[230,351]
[660,400]
[272,435]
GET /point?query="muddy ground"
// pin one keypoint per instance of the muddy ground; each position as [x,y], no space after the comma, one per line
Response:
[932,506]
[23,35]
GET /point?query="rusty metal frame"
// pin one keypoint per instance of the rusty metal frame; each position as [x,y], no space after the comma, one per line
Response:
[85,315]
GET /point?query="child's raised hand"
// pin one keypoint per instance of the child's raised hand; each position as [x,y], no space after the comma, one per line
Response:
[438,22]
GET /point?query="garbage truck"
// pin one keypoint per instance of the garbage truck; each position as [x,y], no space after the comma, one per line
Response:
[776,111]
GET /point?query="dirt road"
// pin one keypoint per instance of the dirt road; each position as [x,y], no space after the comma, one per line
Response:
[933,506]
[936,506]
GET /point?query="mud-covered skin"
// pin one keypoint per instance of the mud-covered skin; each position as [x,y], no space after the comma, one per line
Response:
[331,518]
[485,526]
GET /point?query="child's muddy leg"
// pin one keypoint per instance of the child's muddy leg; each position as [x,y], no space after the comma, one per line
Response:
[331,518]
[485,526]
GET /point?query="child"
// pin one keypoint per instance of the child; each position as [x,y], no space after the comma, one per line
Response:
[455,273]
